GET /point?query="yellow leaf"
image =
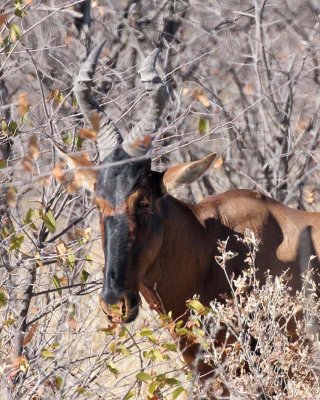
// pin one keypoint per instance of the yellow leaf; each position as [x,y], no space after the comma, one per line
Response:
[14,32]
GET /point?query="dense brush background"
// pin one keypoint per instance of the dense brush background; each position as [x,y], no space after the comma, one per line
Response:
[244,80]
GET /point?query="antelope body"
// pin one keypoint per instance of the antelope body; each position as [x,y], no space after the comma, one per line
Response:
[160,246]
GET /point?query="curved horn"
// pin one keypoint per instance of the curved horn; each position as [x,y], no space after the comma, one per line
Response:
[139,139]
[109,135]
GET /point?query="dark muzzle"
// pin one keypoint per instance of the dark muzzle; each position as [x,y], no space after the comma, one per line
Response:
[120,308]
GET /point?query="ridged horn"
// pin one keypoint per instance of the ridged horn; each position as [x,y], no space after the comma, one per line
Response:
[139,139]
[109,135]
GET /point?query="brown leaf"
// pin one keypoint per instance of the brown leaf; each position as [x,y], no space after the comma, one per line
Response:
[33,148]
[61,248]
[248,89]
[88,134]
[185,91]
[23,104]
[83,234]
[309,196]
[200,96]
[95,121]
[144,141]
[27,163]
[84,178]
[11,197]
[63,281]
[75,179]
[27,2]
[30,334]
[304,123]
[73,324]
[218,162]
[17,361]
[3,19]
[58,172]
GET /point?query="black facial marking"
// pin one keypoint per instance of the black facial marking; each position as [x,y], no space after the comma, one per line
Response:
[116,183]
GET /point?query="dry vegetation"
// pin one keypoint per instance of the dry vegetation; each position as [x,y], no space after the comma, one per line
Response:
[243,78]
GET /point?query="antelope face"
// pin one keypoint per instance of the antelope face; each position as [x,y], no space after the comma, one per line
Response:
[127,196]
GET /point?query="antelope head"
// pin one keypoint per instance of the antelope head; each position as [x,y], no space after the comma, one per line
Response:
[129,194]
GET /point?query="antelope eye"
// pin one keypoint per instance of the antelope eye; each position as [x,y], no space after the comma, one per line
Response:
[144,203]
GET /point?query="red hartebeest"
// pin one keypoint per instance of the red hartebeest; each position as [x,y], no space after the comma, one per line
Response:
[163,247]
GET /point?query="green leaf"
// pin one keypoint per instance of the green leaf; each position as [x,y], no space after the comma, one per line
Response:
[172,381]
[157,355]
[71,260]
[16,242]
[28,219]
[195,305]
[67,138]
[9,322]
[177,392]
[129,395]
[13,127]
[146,332]
[110,330]
[49,221]
[111,367]
[56,282]
[59,382]
[144,377]
[47,353]
[84,276]
[203,126]
[19,8]
[7,44]
[170,346]
[29,215]
[80,390]
[3,299]
[153,387]
[123,350]
[3,164]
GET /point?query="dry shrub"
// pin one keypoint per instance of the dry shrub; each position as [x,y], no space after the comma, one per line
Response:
[271,345]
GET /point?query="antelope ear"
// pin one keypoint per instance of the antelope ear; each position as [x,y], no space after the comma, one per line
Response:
[186,173]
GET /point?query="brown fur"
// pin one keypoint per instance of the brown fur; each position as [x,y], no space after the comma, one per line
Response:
[186,263]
